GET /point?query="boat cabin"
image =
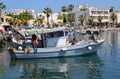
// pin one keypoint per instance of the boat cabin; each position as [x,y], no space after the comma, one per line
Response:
[54,38]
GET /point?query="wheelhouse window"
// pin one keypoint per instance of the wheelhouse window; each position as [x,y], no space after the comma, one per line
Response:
[66,33]
[49,35]
[59,33]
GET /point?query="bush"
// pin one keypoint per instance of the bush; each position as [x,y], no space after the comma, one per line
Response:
[118,25]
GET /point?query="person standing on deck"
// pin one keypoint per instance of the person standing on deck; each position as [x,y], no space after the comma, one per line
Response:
[34,42]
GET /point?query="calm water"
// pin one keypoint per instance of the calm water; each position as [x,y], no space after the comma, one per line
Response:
[104,65]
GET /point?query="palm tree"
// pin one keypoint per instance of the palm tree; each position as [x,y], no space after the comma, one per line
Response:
[90,20]
[25,17]
[2,6]
[70,7]
[70,15]
[11,20]
[48,12]
[64,9]
[113,18]
[111,9]
[71,18]
[60,16]
[35,22]
[39,20]
[100,18]
[81,19]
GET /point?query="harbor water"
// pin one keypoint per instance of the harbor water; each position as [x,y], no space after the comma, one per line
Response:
[103,65]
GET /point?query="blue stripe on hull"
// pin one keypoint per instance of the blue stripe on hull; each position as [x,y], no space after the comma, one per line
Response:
[92,53]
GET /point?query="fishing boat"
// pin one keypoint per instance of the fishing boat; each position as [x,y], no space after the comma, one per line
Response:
[58,42]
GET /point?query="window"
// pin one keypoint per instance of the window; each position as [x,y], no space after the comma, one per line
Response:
[59,34]
[49,35]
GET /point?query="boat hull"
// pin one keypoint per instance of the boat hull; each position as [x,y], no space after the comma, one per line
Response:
[69,51]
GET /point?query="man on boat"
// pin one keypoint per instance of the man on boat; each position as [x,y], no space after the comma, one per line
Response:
[16,43]
[28,46]
[34,42]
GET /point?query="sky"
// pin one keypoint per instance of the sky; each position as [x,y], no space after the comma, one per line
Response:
[55,5]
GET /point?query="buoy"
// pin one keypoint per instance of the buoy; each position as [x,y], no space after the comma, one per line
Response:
[89,47]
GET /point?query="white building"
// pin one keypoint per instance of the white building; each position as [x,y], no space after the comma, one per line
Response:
[91,11]
[118,17]
[52,18]
[18,11]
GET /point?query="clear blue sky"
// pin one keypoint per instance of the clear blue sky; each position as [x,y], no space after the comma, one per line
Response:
[55,5]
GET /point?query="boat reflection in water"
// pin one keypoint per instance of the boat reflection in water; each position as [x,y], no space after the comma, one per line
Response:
[60,68]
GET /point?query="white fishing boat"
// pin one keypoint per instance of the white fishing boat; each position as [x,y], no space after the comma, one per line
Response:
[58,42]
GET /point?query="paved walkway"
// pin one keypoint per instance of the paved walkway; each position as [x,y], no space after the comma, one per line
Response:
[110,29]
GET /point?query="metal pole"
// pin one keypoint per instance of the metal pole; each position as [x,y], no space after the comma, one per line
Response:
[0,15]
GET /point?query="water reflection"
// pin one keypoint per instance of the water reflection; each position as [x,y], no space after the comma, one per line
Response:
[113,41]
[112,37]
[60,68]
